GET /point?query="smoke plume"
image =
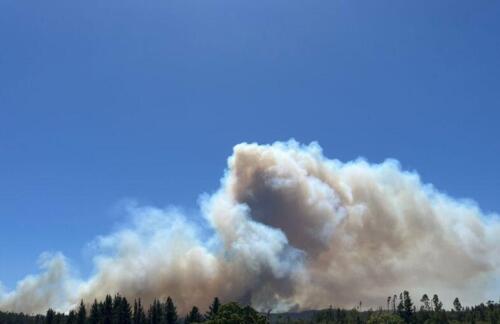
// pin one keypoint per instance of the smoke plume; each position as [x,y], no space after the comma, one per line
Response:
[288,229]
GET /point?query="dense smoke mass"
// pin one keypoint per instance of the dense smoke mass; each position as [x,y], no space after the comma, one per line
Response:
[288,229]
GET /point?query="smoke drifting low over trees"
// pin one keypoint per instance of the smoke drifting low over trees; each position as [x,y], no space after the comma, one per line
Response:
[288,229]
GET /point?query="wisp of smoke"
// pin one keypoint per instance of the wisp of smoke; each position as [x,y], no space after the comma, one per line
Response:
[290,229]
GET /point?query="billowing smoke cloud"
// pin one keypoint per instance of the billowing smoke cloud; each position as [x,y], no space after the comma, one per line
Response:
[288,228]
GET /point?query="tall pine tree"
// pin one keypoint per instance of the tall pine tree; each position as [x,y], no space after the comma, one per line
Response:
[407,307]
[194,316]
[170,311]
[95,314]
[71,318]
[155,312]
[107,310]
[139,315]
[213,309]
[50,316]
[81,317]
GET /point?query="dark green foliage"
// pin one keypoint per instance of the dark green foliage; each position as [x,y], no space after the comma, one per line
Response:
[170,312]
[400,304]
[155,312]
[340,316]
[407,314]
[438,305]
[94,313]
[213,309]
[331,316]
[384,318]
[50,316]
[438,315]
[457,305]
[139,315]
[233,313]
[107,311]
[20,318]
[121,310]
[81,316]
[59,318]
[194,316]
[327,316]
[426,303]
[71,318]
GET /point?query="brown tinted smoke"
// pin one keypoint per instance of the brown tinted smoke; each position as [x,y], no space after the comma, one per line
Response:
[289,229]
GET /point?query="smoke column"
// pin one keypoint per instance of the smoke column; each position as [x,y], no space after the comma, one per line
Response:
[288,229]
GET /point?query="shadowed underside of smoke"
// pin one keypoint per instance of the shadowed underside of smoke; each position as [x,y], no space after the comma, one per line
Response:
[288,229]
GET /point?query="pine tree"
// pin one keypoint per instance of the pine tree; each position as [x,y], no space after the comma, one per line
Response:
[400,305]
[94,313]
[213,309]
[107,310]
[59,318]
[82,314]
[121,311]
[437,304]
[117,302]
[139,315]
[71,319]
[170,311]
[425,300]
[194,316]
[134,314]
[50,316]
[407,307]
[155,312]
[457,305]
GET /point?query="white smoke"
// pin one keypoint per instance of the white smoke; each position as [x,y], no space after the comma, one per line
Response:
[289,229]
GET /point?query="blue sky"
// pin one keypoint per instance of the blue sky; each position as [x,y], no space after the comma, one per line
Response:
[102,101]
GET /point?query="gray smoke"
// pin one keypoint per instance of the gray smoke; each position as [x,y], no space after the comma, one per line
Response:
[289,228]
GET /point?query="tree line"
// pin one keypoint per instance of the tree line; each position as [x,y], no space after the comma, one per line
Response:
[399,309]
[118,310]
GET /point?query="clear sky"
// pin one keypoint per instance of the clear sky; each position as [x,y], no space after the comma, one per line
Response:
[102,101]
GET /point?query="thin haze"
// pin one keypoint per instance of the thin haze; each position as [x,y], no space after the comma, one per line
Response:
[291,229]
